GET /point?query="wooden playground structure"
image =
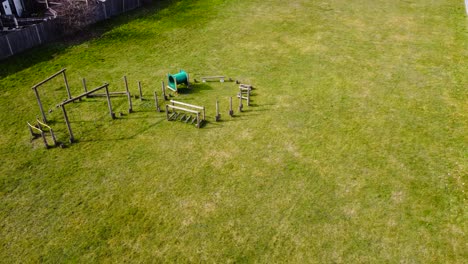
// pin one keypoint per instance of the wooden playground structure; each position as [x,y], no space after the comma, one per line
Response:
[175,110]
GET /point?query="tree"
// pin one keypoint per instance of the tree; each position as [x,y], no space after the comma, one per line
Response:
[74,15]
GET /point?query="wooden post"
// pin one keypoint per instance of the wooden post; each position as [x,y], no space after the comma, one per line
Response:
[248,97]
[139,89]
[43,135]
[31,131]
[66,84]
[40,105]
[72,138]
[109,104]
[130,106]
[53,137]
[39,124]
[188,80]
[167,112]
[198,120]
[218,116]
[164,91]
[231,112]
[83,81]
[44,139]
[240,103]
[156,102]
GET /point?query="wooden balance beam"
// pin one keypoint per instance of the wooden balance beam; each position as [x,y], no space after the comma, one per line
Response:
[175,115]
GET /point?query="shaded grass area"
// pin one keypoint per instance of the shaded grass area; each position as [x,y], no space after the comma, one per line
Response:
[354,150]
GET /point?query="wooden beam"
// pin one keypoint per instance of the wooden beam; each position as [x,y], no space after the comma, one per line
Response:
[185,104]
[83,95]
[30,127]
[221,78]
[49,78]
[66,84]
[156,102]
[72,138]
[110,94]
[40,104]
[129,97]
[109,104]
[183,109]
[243,85]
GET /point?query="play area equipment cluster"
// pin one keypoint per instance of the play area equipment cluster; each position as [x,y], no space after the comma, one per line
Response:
[174,110]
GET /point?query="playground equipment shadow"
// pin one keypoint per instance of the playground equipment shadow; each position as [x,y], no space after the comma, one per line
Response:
[122,138]
[195,88]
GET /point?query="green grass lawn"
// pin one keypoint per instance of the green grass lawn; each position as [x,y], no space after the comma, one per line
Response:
[354,148]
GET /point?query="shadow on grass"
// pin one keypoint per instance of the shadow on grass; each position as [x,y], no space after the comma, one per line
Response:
[48,51]
[195,88]
[132,136]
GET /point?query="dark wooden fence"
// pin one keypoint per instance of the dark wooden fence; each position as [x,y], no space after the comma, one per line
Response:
[26,38]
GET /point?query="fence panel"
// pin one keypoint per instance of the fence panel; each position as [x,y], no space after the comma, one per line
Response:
[4,47]
[24,39]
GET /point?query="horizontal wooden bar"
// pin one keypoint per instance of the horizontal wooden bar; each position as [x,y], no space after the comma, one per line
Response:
[83,95]
[213,77]
[245,85]
[189,105]
[183,109]
[43,124]
[49,78]
[110,94]
[35,128]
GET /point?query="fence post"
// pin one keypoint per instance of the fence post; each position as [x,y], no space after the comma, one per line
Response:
[38,35]
[9,45]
